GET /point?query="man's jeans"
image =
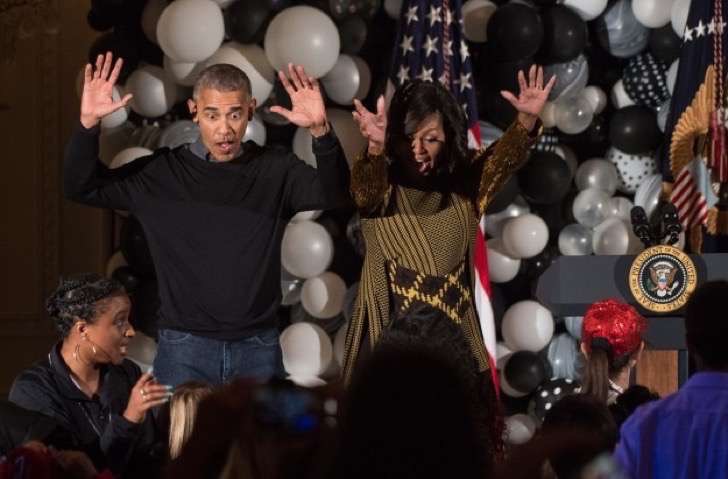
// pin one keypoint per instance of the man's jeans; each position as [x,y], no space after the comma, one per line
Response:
[183,357]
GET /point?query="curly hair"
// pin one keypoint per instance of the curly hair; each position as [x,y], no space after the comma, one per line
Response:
[79,298]
[412,103]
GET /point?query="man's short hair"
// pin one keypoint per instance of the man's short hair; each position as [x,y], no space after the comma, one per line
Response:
[222,77]
[706,331]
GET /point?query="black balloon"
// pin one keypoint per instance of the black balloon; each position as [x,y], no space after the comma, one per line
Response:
[524,371]
[592,142]
[633,130]
[353,33]
[503,75]
[127,277]
[245,20]
[517,30]
[122,43]
[497,109]
[564,34]
[665,44]
[504,197]
[99,20]
[135,249]
[545,179]
[534,267]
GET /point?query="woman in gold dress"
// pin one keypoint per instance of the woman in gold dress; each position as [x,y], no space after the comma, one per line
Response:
[420,192]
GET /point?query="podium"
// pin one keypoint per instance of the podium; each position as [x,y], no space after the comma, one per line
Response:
[572,283]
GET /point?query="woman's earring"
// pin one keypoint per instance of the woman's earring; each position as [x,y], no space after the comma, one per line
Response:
[76,351]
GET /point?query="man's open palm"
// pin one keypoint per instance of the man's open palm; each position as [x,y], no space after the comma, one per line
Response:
[98,85]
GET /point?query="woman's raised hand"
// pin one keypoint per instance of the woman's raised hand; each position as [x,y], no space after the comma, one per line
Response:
[373,126]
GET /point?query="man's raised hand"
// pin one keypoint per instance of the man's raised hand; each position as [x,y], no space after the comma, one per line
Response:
[307,103]
[98,85]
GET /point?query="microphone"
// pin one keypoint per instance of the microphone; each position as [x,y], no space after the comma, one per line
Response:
[641,226]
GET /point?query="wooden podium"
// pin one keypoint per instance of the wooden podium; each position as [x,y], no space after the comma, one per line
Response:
[572,283]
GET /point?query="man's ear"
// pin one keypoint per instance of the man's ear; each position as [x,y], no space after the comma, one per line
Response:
[251,109]
[193,109]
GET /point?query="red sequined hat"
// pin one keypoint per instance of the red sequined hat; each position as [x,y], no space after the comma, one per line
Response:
[618,323]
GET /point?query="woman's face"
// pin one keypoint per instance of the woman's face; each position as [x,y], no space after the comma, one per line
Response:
[426,142]
[111,331]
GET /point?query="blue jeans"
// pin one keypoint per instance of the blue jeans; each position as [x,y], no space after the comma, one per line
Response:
[183,357]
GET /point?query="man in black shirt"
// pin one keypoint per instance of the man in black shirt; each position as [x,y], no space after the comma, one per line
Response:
[214,213]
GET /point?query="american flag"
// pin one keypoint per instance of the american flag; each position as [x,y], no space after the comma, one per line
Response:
[430,46]
[692,192]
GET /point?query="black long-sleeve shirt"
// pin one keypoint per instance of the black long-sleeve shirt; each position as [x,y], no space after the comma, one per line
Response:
[97,424]
[214,228]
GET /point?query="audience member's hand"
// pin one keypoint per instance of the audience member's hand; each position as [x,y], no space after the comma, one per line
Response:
[373,126]
[146,394]
[98,85]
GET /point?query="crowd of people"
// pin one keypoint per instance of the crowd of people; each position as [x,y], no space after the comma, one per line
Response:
[414,399]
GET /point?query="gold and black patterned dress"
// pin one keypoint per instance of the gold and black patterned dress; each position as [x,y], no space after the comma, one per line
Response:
[418,243]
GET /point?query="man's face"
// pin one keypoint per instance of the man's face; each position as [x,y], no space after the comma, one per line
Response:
[223,117]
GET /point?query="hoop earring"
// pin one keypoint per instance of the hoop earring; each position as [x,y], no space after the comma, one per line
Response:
[76,351]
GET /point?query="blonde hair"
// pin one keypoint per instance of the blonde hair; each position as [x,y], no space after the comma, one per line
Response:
[182,413]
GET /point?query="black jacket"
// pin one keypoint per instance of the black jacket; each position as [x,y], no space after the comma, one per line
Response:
[96,424]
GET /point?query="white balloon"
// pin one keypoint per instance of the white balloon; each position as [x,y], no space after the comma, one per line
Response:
[525,236]
[573,115]
[520,428]
[307,249]
[348,79]
[494,223]
[251,59]
[587,9]
[154,91]
[303,35]
[128,155]
[150,16]
[255,131]
[306,215]
[620,207]
[671,76]
[114,262]
[501,267]
[476,15]
[348,133]
[183,73]
[179,133]
[679,16]
[306,350]
[591,207]
[393,7]
[575,240]
[303,146]
[527,325]
[648,194]
[596,98]
[619,96]
[190,30]
[611,237]
[597,173]
[652,13]
[323,295]
[117,118]
[307,381]
[548,115]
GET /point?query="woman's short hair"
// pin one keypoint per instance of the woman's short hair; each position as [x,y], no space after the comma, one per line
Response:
[80,298]
[222,77]
[413,102]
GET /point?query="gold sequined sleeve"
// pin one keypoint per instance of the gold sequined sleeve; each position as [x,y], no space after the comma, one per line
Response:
[495,165]
[369,181]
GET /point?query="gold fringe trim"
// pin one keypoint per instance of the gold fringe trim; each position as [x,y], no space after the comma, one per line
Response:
[696,239]
[693,122]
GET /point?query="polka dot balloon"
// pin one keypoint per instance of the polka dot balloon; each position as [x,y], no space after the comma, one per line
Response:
[549,393]
[645,81]
[632,169]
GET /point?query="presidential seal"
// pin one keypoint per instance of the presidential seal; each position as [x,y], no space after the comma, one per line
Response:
[662,278]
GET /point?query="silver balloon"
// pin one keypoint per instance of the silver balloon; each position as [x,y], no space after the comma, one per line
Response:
[255,131]
[571,77]
[573,325]
[562,353]
[494,223]
[290,288]
[573,114]
[662,112]
[179,133]
[613,237]
[597,173]
[575,240]
[648,194]
[591,207]
[620,33]
[620,207]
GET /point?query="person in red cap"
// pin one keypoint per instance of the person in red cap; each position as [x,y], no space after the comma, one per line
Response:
[611,341]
